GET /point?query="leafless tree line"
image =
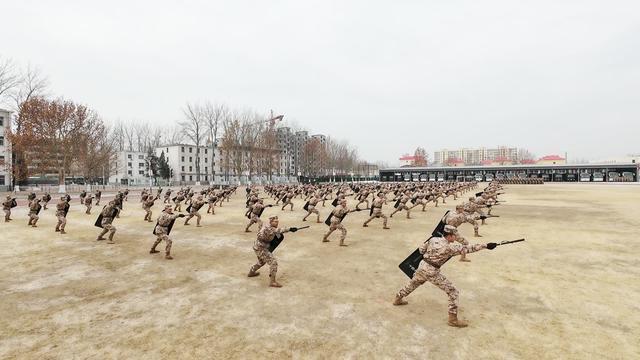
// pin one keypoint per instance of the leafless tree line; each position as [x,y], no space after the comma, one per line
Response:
[51,135]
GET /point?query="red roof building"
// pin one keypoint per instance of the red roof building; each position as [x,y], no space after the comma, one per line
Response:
[551,160]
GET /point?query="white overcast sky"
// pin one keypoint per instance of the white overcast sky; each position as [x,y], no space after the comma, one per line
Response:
[552,76]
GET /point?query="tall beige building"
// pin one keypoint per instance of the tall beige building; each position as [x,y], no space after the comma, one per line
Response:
[476,156]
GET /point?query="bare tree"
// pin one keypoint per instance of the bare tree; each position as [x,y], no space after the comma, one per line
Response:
[9,78]
[31,84]
[194,129]
[214,115]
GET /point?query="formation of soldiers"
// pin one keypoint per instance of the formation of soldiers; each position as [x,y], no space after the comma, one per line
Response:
[372,197]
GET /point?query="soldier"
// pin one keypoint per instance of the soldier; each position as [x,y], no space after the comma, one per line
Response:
[311,208]
[261,247]
[402,205]
[45,200]
[87,202]
[62,207]
[165,220]
[376,211]
[336,217]
[83,195]
[364,194]
[167,196]
[148,203]
[195,206]
[98,196]
[212,199]
[460,217]
[178,201]
[126,195]
[6,207]
[108,213]
[254,214]
[34,209]
[436,252]
[288,200]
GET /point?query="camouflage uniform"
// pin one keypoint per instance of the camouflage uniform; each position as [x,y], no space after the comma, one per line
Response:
[178,201]
[146,205]
[336,223]
[195,206]
[403,206]
[61,215]
[261,248]
[6,207]
[98,196]
[107,222]
[33,212]
[255,209]
[435,253]
[458,218]
[162,232]
[87,202]
[377,212]
[311,208]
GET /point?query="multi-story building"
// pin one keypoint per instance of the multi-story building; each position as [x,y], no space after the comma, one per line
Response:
[130,168]
[182,161]
[300,140]
[5,150]
[476,156]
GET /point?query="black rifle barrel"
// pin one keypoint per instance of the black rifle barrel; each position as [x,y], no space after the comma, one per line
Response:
[510,242]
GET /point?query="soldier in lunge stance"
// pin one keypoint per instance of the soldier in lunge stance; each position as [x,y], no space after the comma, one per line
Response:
[261,247]
[436,252]
[162,229]
[376,211]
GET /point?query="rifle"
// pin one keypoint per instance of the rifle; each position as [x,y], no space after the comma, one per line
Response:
[278,238]
[492,246]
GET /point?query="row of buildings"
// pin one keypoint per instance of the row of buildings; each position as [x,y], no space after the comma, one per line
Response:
[502,155]
[131,167]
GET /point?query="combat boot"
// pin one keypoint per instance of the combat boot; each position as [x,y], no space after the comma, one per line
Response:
[476,233]
[399,301]
[57,229]
[453,321]
[62,231]
[274,283]
[168,256]
[253,273]
[325,239]
[111,239]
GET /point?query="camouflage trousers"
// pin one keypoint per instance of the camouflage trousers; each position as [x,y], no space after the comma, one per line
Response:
[88,209]
[7,214]
[254,220]
[377,213]
[365,201]
[265,257]
[107,227]
[428,273]
[178,206]
[162,236]
[62,221]
[195,214]
[400,208]
[148,214]
[312,210]
[287,203]
[471,220]
[33,218]
[337,226]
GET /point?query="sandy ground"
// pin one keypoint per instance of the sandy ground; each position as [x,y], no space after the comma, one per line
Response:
[571,291]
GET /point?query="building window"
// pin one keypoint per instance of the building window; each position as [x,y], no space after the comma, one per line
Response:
[206,169]
[182,177]
[140,157]
[1,177]
[141,172]
[1,159]
[130,172]
[205,160]
[2,124]
[1,140]
[183,168]
[205,150]
[190,169]
[183,151]
[206,178]
[190,159]
[182,159]
[190,150]
[129,164]
[190,178]
[129,157]
[140,164]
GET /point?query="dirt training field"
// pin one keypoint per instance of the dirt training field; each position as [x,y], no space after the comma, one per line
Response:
[571,291]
